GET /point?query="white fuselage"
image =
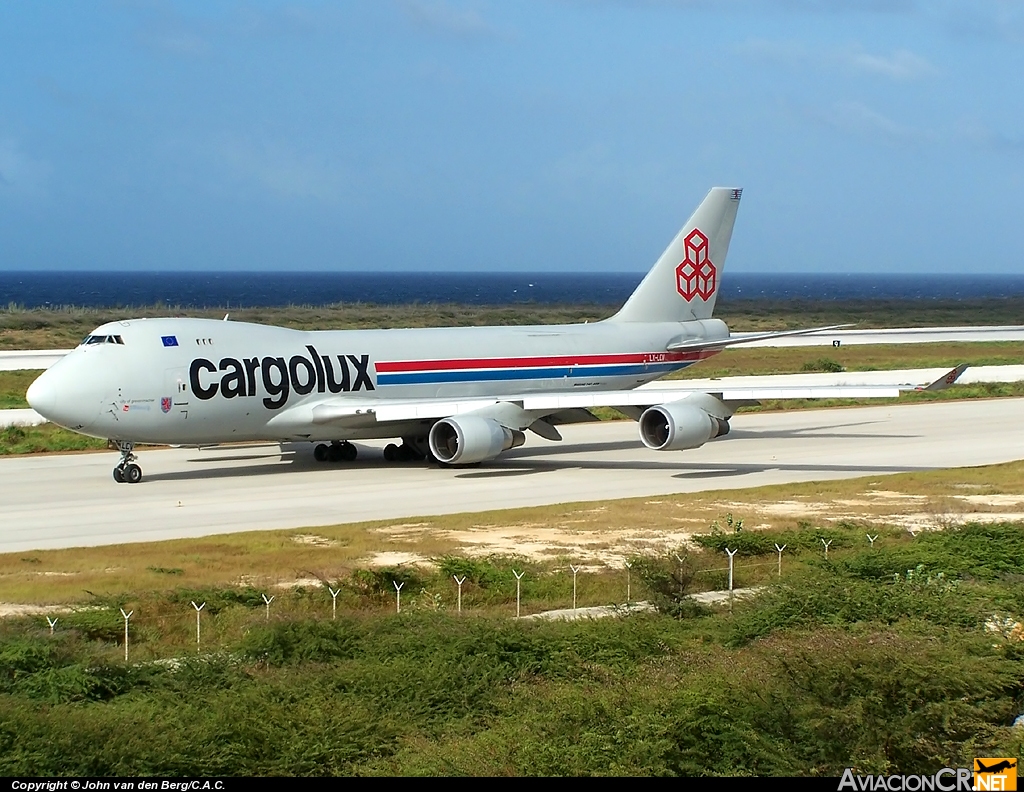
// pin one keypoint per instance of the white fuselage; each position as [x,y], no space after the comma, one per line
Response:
[201,381]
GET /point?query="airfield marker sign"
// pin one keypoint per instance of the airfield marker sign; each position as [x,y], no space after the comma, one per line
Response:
[459,583]
[732,554]
[780,549]
[198,608]
[519,577]
[575,570]
[127,616]
[334,602]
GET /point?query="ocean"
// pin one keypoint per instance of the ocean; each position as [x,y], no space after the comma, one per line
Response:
[266,289]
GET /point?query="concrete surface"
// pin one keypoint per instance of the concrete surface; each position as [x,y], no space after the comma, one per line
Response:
[44,358]
[71,500]
[897,335]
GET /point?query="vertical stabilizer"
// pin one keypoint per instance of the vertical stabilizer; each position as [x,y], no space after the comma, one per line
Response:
[683,284]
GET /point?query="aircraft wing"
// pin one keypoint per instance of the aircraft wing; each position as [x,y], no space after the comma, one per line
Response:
[345,410]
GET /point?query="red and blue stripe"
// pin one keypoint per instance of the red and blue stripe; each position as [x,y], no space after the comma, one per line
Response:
[420,372]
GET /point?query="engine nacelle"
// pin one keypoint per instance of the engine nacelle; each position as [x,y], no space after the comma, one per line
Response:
[466,439]
[677,426]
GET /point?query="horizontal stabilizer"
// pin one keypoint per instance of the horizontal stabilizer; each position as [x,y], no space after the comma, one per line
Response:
[699,344]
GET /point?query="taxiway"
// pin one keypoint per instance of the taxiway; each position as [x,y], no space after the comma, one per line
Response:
[14,360]
[71,500]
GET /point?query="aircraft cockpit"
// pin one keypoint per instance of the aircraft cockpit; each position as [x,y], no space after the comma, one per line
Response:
[89,340]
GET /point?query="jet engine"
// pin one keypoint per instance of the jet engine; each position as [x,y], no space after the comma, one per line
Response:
[466,439]
[677,426]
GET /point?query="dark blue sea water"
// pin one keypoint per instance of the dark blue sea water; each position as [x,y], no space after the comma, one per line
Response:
[259,289]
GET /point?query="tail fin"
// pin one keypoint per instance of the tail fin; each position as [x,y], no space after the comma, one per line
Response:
[683,284]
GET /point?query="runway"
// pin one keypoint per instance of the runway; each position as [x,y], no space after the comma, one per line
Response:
[71,500]
[896,335]
[14,360]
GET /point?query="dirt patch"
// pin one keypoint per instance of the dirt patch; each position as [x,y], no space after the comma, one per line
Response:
[10,610]
[609,548]
[313,540]
[991,500]
[396,559]
[300,583]
[403,528]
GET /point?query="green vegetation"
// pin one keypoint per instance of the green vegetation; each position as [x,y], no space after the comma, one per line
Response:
[13,386]
[902,657]
[47,437]
[866,357]
[823,364]
[65,326]
[979,390]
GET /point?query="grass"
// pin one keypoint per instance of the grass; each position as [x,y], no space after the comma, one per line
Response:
[609,530]
[63,327]
[904,655]
[13,386]
[868,357]
[854,662]
[46,438]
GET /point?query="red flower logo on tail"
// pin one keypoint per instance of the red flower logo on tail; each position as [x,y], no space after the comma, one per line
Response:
[696,275]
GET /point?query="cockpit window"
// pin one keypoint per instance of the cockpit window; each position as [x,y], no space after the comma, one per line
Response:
[89,340]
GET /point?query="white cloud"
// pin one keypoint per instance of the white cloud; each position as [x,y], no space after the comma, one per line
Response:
[180,43]
[283,171]
[901,64]
[858,118]
[440,16]
[977,134]
[21,173]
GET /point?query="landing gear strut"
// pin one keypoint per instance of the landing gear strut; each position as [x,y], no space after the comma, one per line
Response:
[126,471]
[411,450]
[335,452]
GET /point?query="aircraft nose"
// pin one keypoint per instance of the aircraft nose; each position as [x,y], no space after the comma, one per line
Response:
[42,395]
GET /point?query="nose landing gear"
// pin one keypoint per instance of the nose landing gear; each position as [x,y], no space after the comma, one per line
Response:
[126,471]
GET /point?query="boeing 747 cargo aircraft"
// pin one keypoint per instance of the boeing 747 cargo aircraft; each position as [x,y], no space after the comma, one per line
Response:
[459,396]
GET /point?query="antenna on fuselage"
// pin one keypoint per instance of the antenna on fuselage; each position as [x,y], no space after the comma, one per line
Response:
[226,316]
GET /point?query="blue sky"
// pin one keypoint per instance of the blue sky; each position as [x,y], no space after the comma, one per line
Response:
[868,135]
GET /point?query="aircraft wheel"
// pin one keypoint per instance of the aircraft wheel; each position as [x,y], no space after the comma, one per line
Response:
[119,474]
[349,453]
[132,474]
[334,453]
[391,452]
[320,452]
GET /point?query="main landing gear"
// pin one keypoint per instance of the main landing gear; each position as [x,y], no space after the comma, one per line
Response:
[126,471]
[411,450]
[335,452]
